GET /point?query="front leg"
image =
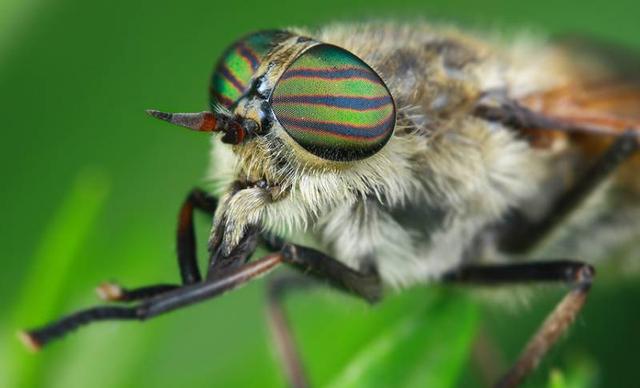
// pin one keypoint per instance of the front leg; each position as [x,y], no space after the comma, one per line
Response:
[366,285]
[151,307]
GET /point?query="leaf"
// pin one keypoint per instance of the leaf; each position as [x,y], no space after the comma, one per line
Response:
[52,262]
[427,348]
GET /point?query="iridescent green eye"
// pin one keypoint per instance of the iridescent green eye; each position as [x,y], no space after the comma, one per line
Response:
[334,105]
[237,66]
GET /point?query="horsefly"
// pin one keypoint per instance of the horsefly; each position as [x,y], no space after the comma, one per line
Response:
[409,154]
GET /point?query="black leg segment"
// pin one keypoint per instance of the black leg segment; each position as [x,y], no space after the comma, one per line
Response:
[149,308]
[112,292]
[187,260]
[566,271]
[365,284]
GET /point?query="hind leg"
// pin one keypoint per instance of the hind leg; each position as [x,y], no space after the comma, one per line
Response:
[577,275]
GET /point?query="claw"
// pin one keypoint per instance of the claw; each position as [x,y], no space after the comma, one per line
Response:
[109,292]
[28,341]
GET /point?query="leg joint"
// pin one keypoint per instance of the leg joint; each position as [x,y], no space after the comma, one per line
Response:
[584,276]
[202,200]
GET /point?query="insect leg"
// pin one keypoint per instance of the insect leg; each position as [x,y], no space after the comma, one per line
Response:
[524,234]
[240,254]
[576,274]
[280,330]
[364,284]
[187,261]
[149,308]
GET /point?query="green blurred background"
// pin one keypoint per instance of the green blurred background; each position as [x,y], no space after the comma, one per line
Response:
[91,188]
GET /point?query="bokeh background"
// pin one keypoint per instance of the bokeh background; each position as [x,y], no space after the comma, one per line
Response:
[90,189]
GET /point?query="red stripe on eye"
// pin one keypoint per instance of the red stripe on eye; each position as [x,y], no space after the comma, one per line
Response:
[226,73]
[371,139]
[371,131]
[249,56]
[343,102]
[224,100]
[337,123]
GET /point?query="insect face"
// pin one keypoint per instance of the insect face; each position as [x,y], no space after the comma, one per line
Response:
[321,97]
[308,122]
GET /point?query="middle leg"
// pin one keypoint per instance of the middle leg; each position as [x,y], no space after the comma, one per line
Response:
[364,284]
[280,329]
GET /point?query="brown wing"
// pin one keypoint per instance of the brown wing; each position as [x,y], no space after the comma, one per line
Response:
[602,101]
[604,108]
[604,93]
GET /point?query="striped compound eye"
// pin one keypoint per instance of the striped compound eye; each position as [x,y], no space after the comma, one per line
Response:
[334,105]
[237,66]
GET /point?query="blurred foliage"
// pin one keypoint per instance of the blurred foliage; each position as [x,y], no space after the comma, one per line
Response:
[580,372]
[91,189]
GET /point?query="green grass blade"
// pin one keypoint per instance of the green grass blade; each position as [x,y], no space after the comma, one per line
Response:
[44,283]
[426,349]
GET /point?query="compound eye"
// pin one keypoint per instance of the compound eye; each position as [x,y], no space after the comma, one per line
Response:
[334,105]
[236,68]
